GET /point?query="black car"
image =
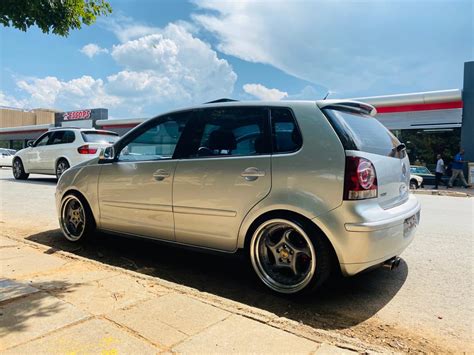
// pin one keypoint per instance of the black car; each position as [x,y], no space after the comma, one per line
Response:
[427,175]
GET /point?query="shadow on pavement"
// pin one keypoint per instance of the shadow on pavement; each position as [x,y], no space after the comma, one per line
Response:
[17,313]
[344,302]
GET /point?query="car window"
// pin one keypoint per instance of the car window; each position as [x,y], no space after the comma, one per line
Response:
[156,141]
[229,131]
[100,137]
[285,132]
[43,140]
[62,137]
[364,133]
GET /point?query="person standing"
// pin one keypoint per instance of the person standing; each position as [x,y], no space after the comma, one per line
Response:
[440,169]
[458,165]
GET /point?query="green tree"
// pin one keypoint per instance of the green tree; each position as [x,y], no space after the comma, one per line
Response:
[55,16]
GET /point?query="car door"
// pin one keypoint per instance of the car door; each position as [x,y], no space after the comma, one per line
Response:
[55,148]
[33,161]
[135,191]
[223,172]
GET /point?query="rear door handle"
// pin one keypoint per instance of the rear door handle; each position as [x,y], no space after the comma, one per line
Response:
[251,174]
[161,174]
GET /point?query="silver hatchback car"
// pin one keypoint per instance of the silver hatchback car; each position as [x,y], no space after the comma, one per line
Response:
[303,187]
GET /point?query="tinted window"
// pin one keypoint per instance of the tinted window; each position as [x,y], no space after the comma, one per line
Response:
[286,135]
[155,141]
[62,137]
[232,131]
[43,140]
[364,133]
[100,137]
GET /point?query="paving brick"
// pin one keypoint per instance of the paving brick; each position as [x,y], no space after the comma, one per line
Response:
[7,243]
[33,316]
[107,295]
[145,320]
[331,349]
[90,337]
[237,334]
[184,313]
[16,262]
[10,289]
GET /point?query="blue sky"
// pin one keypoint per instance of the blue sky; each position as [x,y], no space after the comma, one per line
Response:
[152,56]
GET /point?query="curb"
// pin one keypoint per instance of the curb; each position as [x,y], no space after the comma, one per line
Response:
[440,193]
[291,326]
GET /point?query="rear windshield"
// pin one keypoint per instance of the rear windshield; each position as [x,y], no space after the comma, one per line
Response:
[364,133]
[100,137]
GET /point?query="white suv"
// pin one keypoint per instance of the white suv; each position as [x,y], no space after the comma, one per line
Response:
[57,150]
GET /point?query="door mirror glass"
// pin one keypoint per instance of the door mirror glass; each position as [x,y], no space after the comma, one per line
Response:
[30,143]
[107,154]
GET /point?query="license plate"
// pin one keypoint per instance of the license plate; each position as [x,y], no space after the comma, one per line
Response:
[409,225]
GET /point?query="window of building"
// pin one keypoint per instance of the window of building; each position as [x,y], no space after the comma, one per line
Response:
[17,144]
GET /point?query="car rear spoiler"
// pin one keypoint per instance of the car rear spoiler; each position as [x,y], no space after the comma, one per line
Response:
[356,107]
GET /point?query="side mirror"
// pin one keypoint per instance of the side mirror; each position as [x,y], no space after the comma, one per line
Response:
[107,155]
[30,143]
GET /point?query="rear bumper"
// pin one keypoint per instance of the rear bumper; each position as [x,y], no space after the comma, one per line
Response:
[363,234]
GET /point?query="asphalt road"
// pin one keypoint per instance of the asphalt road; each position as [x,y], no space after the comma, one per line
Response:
[424,305]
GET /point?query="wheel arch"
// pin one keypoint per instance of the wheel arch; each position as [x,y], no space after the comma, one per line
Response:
[61,158]
[292,215]
[82,197]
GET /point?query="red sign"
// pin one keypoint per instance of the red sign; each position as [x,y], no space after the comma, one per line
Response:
[76,115]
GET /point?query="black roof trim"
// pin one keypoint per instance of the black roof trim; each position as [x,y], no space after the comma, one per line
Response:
[220,100]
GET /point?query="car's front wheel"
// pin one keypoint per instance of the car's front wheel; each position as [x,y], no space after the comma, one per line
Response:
[19,170]
[413,184]
[77,222]
[289,256]
[61,167]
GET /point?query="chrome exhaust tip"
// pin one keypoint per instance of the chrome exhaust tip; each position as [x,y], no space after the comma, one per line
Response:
[392,263]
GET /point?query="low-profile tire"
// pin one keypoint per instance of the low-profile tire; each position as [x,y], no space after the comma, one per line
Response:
[76,220]
[18,170]
[413,184]
[61,166]
[290,256]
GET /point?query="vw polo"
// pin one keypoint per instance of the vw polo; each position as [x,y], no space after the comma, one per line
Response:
[304,188]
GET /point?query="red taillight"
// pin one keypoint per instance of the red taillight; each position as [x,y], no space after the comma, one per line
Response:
[85,149]
[360,181]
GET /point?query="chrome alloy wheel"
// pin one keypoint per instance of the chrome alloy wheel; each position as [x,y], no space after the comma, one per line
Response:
[17,168]
[73,218]
[61,168]
[283,255]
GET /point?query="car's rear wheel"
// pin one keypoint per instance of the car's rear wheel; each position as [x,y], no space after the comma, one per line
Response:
[77,222]
[19,170]
[61,167]
[289,257]
[413,184]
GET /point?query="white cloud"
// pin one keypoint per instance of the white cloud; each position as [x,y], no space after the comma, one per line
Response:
[352,47]
[77,93]
[263,93]
[164,69]
[10,101]
[92,50]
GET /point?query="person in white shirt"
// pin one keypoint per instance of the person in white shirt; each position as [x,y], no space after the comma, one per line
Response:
[440,169]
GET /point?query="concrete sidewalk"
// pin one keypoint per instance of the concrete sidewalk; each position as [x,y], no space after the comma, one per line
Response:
[52,302]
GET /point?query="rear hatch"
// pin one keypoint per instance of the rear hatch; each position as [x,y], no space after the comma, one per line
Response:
[95,140]
[362,135]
